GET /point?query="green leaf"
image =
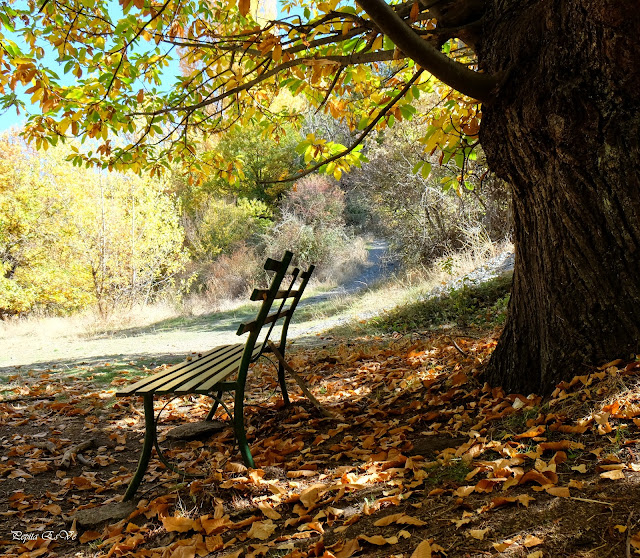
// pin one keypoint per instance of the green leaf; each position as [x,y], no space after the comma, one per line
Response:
[426,170]
[363,123]
[6,22]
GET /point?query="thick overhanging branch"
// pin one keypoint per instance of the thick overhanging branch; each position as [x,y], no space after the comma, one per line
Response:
[476,85]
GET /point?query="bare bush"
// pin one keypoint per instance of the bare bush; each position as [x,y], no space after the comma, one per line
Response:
[228,277]
[422,218]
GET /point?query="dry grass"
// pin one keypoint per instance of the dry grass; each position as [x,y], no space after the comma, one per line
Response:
[85,324]
[412,284]
[182,325]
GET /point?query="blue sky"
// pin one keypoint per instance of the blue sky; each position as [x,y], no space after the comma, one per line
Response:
[10,118]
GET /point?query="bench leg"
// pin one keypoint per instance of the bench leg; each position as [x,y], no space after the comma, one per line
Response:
[238,427]
[283,385]
[216,403]
[147,446]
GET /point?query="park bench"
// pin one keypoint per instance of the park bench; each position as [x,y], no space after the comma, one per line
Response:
[211,372]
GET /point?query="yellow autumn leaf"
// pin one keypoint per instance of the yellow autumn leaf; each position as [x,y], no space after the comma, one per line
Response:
[559,491]
[464,491]
[214,543]
[276,55]
[460,522]
[616,474]
[388,520]
[183,552]
[532,540]
[310,495]
[378,540]
[244,6]
[89,536]
[268,511]
[410,520]
[262,530]
[179,524]
[347,549]
[216,524]
[478,533]
[53,509]
[423,550]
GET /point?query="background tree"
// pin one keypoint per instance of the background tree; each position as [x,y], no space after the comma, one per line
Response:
[73,237]
[38,264]
[559,89]
[264,163]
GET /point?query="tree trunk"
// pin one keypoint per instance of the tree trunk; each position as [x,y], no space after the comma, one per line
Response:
[565,134]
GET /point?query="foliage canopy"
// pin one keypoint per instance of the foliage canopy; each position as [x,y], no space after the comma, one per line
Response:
[116,83]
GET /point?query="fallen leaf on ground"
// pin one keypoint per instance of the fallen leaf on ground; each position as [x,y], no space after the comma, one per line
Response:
[478,533]
[423,550]
[262,530]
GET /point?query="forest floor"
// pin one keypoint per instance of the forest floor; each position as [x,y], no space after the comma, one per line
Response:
[422,458]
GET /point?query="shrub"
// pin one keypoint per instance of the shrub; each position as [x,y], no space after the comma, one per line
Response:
[220,227]
[427,217]
[231,275]
[315,201]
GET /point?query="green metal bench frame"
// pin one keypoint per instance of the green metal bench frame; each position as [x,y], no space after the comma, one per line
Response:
[208,374]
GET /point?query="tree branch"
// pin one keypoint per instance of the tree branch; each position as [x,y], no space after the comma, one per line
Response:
[475,85]
[356,58]
[358,141]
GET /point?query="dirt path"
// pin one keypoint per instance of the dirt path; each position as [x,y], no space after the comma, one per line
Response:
[379,265]
[173,337]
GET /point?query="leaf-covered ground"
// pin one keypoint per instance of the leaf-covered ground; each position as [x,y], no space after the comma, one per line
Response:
[423,460]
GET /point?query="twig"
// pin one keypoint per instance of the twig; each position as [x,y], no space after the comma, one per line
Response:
[300,382]
[458,347]
[628,542]
[135,410]
[66,458]
[82,459]
[28,398]
[50,446]
[588,501]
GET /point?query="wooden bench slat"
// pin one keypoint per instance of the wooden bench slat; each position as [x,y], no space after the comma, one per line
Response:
[248,326]
[149,384]
[272,265]
[207,385]
[210,377]
[167,373]
[193,369]
[261,294]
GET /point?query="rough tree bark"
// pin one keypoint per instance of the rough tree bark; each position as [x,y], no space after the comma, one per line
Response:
[565,134]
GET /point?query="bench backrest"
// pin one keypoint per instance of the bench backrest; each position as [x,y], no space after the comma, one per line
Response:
[287,286]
